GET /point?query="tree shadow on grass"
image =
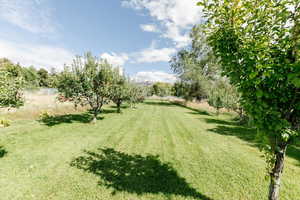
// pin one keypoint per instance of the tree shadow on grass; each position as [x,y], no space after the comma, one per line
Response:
[249,135]
[69,118]
[221,122]
[244,133]
[3,152]
[122,106]
[160,103]
[293,151]
[172,104]
[195,111]
[86,117]
[135,173]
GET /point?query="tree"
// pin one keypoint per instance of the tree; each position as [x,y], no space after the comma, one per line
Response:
[43,77]
[14,70]
[258,45]
[119,91]
[195,66]
[10,91]
[137,94]
[87,82]
[161,89]
[216,97]
[30,76]
[53,78]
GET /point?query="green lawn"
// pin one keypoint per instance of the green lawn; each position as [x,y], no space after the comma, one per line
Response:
[158,151]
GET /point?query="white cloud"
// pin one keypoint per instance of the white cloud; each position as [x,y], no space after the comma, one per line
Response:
[115,59]
[176,17]
[152,55]
[36,55]
[30,15]
[149,28]
[154,76]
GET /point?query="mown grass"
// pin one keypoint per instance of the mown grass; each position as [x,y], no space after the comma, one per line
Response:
[158,151]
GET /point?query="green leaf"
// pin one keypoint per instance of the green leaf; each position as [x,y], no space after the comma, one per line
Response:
[200,3]
[296,82]
[259,93]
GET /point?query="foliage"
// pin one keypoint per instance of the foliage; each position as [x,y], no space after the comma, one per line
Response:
[10,90]
[195,66]
[137,94]
[258,43]
[222,94]
[5,122]
[45,115]
[32,77]
[43,77]
[87,82]
[119,91]
[161,89]
[215,99]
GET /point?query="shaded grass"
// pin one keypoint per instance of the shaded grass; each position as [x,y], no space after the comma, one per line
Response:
[3,152]
[244,133]
[135,173]
[247,134]
[71,118]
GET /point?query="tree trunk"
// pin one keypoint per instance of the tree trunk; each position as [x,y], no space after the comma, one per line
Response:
[118,107]
[276,173]
[95,117]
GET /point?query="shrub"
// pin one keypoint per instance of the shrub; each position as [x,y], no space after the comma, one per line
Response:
[45,115]
[5,122]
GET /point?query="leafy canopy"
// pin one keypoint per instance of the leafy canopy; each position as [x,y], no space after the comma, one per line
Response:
[258,46]
[87,82]
[10,90]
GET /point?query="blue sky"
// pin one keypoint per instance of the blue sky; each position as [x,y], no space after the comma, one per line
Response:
[139,35]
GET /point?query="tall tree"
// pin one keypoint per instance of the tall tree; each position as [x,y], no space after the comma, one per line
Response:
[195,66]
[87,82]
[258,45]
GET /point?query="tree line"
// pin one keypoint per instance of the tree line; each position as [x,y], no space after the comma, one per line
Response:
[94,82]
[88,81]
[32,77]
[245,56]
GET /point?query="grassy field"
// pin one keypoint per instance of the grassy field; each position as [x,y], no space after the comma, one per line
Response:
[158,151]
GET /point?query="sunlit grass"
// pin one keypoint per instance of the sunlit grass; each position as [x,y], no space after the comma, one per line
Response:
[158,151]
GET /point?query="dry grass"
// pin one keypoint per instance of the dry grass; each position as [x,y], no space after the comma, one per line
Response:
[36,103]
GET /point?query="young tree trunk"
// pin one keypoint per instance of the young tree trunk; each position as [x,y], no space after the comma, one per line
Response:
[119,107]
[218,111]
[276,173]
[94,118]
[95,114]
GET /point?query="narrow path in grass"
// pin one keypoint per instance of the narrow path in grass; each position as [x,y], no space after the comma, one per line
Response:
[158,151]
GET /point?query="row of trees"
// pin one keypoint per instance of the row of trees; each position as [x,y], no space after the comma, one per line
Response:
[200,75]
[245,57]
[88,81]
[251,47]
[95,82]
[32,77]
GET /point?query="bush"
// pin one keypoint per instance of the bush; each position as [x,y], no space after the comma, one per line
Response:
[45,115]
[5,122]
